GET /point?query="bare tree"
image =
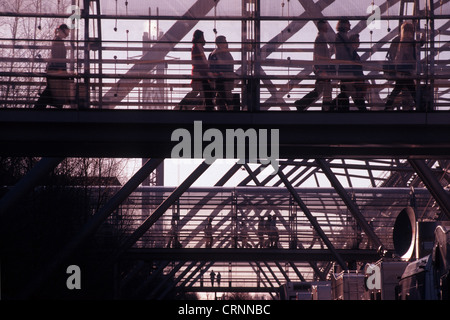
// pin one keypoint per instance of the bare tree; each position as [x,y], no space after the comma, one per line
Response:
[25,44]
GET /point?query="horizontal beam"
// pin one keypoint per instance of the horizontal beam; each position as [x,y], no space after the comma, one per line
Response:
[147,134]
[210,18]
[268,190]
[224,287]
[248,255]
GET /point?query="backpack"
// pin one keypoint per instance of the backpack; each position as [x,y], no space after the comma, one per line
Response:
[393,68]
[392,51]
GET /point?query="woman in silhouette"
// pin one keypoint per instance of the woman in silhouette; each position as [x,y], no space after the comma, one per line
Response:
[52,94]
[200,74]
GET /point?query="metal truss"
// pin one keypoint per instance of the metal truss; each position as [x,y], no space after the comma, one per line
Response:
[271,73]
[400,158]
[321,222]
[219,203]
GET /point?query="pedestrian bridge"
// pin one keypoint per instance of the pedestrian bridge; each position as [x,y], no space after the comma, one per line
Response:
[129,66]
[148,134]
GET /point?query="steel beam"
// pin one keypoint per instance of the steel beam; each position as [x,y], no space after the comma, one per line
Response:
[200,274]
[162,295]
[165,205]
[313,266]
[269,190]
[137,291]
[159,50]
[441,196]
[312,220]
[258,265]
[194,210]
[351,205]
[297,272]
[92,225]
[271,290]
[130,274]
[27,183]
[248,254]
[147,133]
[192,274]
[164,281]
[280,267]
[274,276]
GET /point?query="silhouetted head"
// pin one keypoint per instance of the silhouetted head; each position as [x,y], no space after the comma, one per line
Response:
[343,25]
[198,37]
[322,25]
[62,31]
[221,42]
[407,30]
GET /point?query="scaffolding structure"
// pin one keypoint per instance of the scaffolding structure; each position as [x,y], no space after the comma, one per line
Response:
[342,178]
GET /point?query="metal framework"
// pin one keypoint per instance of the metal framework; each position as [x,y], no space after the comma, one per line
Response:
[114,68]
[342,177]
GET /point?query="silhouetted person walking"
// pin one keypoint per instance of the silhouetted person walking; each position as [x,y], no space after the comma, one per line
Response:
[212,275]
[208,233]
[222,66]
[344,56]
[200,73]
[53,93]
[261,232]
[358,87]
[218,278]
[322,68]
[405,56]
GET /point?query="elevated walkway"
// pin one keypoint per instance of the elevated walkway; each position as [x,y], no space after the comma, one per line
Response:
[247,255]
[147,133]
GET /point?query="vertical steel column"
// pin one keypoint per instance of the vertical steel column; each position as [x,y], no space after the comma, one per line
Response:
[293,241]
[234,220]
[250,55]
[431,61]
[244,56]
[86,58]
[99,46]
[256,87]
